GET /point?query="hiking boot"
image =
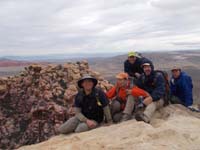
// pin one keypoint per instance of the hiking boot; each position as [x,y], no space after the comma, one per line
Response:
[126,117]
[141,117]
[117,117]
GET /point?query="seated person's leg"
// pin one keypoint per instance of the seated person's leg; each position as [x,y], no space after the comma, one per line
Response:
[116,113]
[175,100]
[82,127]
[115,107]
[117,117]
[128,108]
[69,126]
[149,111]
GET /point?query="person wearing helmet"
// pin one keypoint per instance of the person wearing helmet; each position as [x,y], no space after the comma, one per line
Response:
[181,87]
[133,65]
[91,105]
[154,83]
[123,98]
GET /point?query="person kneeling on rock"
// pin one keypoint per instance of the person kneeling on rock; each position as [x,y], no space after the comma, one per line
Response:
[123,98]
[91,104]
[154,83]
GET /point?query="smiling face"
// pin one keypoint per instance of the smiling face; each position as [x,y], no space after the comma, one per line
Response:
[176,73]
[87,84]
[147,70]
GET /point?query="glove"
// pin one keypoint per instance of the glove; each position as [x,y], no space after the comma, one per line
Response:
[141,105]
[140,100]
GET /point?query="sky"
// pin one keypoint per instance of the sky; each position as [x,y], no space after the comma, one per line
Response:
[36,27]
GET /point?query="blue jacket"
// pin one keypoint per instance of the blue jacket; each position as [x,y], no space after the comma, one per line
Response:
[182,88]
[154,84]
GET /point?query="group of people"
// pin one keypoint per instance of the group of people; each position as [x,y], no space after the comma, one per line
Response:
[139,91]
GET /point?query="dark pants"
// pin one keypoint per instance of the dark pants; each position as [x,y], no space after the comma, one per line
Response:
[175,100]
[116,111]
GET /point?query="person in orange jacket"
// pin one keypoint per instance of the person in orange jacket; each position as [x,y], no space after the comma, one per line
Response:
[123,98]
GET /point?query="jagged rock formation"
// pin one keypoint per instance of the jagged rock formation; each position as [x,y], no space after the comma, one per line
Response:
[172,128]
[34,103]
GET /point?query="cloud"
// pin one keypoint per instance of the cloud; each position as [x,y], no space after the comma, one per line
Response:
[64,26]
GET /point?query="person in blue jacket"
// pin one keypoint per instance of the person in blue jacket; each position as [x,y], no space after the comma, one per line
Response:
[154,83]
[181,87]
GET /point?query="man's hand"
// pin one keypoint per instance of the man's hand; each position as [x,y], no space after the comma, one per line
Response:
[91,123]
[128,92]
[148,100]
[137,75]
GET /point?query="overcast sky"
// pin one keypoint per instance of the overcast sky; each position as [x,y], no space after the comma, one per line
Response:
[70,26]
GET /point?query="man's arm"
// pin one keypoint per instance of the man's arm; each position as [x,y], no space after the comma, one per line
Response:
[105,105]
[79,115]
[159,90]
[111,93]
[187,91]
[126,67]
[77,104]
[136,92]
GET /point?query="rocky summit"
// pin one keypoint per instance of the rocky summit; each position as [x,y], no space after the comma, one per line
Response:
[36,102]
[172,128]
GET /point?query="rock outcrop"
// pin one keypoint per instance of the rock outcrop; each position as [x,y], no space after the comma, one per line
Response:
[34,103]
[172,128]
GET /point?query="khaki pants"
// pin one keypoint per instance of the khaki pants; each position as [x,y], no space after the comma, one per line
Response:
[151,108]
[74,125]
[130,103]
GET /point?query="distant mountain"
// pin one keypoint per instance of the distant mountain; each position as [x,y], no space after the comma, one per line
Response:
[4,62]
[58,57]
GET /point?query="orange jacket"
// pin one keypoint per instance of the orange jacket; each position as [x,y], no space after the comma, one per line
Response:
[122,93]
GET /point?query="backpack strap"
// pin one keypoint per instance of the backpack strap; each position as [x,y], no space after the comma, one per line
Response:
[166,78]
[97,97]
[167,88]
